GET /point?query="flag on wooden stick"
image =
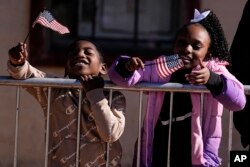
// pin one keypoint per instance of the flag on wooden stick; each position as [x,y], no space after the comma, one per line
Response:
[46,19]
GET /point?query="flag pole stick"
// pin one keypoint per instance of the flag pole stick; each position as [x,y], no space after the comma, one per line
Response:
[33,25]
[27,36]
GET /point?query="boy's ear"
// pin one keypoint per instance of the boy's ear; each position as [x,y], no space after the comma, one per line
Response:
[104,69]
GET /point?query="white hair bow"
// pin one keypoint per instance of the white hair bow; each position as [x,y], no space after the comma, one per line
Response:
[199,16]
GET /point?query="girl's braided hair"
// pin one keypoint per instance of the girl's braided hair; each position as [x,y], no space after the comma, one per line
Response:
[219,46]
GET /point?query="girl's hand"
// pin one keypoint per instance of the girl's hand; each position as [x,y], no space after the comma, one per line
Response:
[134,63]
[18,54]
[199,77]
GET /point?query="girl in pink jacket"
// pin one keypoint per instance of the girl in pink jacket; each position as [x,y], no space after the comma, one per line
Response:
[200,57]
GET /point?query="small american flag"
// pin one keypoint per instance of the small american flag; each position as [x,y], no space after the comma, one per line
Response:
[46,19]
[166,65]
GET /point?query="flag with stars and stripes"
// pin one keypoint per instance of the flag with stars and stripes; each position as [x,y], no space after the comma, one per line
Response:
[166,65]
[46,19]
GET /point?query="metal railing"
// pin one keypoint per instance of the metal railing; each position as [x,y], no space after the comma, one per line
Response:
[73,83]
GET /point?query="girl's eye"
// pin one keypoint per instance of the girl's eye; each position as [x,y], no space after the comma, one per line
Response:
[87,52]
[196,46]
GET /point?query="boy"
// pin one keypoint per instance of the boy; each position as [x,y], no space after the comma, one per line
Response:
[99,124]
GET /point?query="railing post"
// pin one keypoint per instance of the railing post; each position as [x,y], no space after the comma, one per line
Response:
[139,130]
[170,126]
[16,124]
[110,103]
[78,127]
[47,128]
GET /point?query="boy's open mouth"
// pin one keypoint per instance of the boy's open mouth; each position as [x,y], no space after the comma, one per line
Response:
[81,62]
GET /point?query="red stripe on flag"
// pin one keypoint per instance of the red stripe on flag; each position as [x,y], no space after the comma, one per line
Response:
[60,28]
[158,68]
[43,22]
[158,62]
[162,68]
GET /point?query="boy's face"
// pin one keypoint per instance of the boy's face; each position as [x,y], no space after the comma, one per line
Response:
[192,44]
[84,59]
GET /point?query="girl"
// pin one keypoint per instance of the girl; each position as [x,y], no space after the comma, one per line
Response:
[201,57]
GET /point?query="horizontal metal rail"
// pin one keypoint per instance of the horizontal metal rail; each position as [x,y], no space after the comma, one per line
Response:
[74,83]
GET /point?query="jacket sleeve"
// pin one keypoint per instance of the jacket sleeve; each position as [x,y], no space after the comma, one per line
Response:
[118,79]
[110,121]
[28,71]
[25,71]
[232,95]
[149,74]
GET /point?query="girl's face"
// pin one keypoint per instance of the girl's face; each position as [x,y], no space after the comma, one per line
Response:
[192,44]
[84,59]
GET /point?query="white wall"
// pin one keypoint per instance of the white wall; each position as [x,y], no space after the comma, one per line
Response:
[14,18]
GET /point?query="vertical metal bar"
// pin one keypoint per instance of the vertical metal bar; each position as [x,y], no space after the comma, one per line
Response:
[230,135]
[47,128]
[170,126]
[110,103]
[16,124]
[139,130]
[78,127]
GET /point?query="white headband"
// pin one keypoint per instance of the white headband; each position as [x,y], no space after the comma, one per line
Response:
[199,16]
